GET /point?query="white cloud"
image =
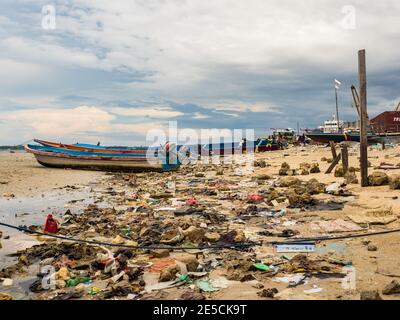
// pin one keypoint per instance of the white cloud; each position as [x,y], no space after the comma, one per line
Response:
[48,53]
[28,101]
[70,122]
[148,112]
[240,106]
[13,72]
[61,122]
[183,41]
[199,115]
[180,45]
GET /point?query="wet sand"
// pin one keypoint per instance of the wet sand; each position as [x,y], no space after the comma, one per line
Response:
[21,175]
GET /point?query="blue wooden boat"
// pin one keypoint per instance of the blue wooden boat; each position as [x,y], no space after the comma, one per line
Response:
[61,158]
[259,145]
[94,148]
[85,153]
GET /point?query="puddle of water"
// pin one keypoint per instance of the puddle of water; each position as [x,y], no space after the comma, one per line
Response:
[33,211]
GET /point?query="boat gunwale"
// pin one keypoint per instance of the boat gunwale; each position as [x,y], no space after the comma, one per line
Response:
[101,149]
[91,157]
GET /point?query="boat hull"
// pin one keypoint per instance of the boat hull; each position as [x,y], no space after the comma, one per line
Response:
[103,163]
[338,137]
[205,150]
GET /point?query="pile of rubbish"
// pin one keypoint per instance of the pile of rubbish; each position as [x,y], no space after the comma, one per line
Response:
[188,235]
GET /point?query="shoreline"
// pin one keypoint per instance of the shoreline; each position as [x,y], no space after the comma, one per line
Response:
[21,175]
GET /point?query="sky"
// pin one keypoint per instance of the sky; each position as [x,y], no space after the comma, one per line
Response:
[110,71]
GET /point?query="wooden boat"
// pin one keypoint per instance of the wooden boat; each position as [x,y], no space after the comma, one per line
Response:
[259,145]
[93,148]
[58,158]
[339,136]
[101,154]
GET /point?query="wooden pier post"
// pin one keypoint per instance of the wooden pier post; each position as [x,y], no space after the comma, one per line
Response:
[363,118]
[333,149]
[345,158]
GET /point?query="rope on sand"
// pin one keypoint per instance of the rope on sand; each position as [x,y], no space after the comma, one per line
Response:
[94,242]
[241,245]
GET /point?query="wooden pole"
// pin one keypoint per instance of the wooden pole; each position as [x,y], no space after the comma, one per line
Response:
[333,164]
[337,110]
[345,158]
[362,73]
[333,149]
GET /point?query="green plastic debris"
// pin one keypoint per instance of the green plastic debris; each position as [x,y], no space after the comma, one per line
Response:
[94,290]
[205,286]
[75,281]
[185,278]
[261,266]
[188,245]
[126,231]
[340,261]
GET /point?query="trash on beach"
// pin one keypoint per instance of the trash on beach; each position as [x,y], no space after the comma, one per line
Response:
[295,247]
[51,224]
[7,283]
[75,281]
[293,279]
[261,266]
[338,189]
[205,286]
[331,247]
[255,198]
[314,289]
[220,282]
[186,225]
[191,201]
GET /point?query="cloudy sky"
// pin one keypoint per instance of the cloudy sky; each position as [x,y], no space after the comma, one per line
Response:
[111,70]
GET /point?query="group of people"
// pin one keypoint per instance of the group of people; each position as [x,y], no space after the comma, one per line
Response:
[283,141]
[302,140]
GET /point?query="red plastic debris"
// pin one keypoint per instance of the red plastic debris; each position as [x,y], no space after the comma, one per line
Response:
[255,197]
[51,225]
[191,201]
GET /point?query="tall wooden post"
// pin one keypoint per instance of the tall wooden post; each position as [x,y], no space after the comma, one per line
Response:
[345,158]
[362,73]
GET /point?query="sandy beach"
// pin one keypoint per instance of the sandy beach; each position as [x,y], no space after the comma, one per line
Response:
[374,258]
[21,175]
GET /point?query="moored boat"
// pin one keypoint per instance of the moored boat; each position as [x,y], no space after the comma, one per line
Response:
[334,130]
[93,148]
[259,145]
[52,157]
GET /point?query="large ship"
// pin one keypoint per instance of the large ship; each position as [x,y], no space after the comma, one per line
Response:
[334,130]
[383,127]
